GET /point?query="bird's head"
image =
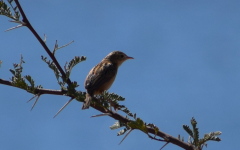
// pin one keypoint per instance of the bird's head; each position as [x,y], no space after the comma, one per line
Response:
[117,57]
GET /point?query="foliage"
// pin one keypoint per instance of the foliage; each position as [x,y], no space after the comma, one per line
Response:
[194,134]
[107,99]
[68,68]
[6,11]
[137,123]
[19,81]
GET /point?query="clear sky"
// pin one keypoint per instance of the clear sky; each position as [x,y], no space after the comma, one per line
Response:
[186,63]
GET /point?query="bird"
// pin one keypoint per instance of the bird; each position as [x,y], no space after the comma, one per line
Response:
[102,76]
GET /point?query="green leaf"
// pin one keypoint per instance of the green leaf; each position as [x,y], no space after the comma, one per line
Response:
[31,81]
[195,131]
[156,129]
[76,60]
[127,112]
[138,124]
[52,66]
[199,143]
[6,10]
[80,96]
[110,99]
[19,81]
[188,130]
[217,133]
[212,136]
[71,88]
[12,71]
[15,8]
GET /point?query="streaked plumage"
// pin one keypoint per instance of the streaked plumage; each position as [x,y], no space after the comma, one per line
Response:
[101,77]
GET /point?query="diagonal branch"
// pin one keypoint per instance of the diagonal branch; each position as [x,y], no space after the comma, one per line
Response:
[169,138]
[114,115]
[25,20]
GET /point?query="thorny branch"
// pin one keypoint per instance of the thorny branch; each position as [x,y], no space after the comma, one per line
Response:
[168,138]
[116,116]
[27,24]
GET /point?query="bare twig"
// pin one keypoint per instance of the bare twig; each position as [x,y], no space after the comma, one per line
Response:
[57,48]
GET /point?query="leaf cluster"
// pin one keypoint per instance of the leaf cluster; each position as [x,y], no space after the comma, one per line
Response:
[136,123]
[194,134]
[6,10]
[107,100]
[62,80]
[69,66]
[19,81]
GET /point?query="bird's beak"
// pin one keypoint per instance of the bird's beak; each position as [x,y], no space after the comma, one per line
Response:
[130,57]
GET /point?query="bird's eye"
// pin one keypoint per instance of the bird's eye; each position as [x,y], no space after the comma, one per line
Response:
[122,56]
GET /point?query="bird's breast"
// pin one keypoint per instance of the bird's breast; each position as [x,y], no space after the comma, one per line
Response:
[105,86]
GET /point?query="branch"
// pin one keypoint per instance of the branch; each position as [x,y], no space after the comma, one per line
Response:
[170,138]
[39,91]
[25,20]
[114,115]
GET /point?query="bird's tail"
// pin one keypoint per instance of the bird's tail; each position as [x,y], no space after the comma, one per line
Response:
[87,102]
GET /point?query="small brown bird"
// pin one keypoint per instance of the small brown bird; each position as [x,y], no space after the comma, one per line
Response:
[102,76]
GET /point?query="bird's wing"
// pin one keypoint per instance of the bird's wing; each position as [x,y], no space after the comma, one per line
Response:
[99,75]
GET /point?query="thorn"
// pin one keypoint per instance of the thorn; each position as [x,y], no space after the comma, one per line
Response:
[20,22]
[164,145]
[14,27]
[63,107]
[32,98]
[104,114]
[35,102]
[45,38]
[125,136]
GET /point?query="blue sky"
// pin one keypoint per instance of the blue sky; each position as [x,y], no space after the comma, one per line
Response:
[186,63]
